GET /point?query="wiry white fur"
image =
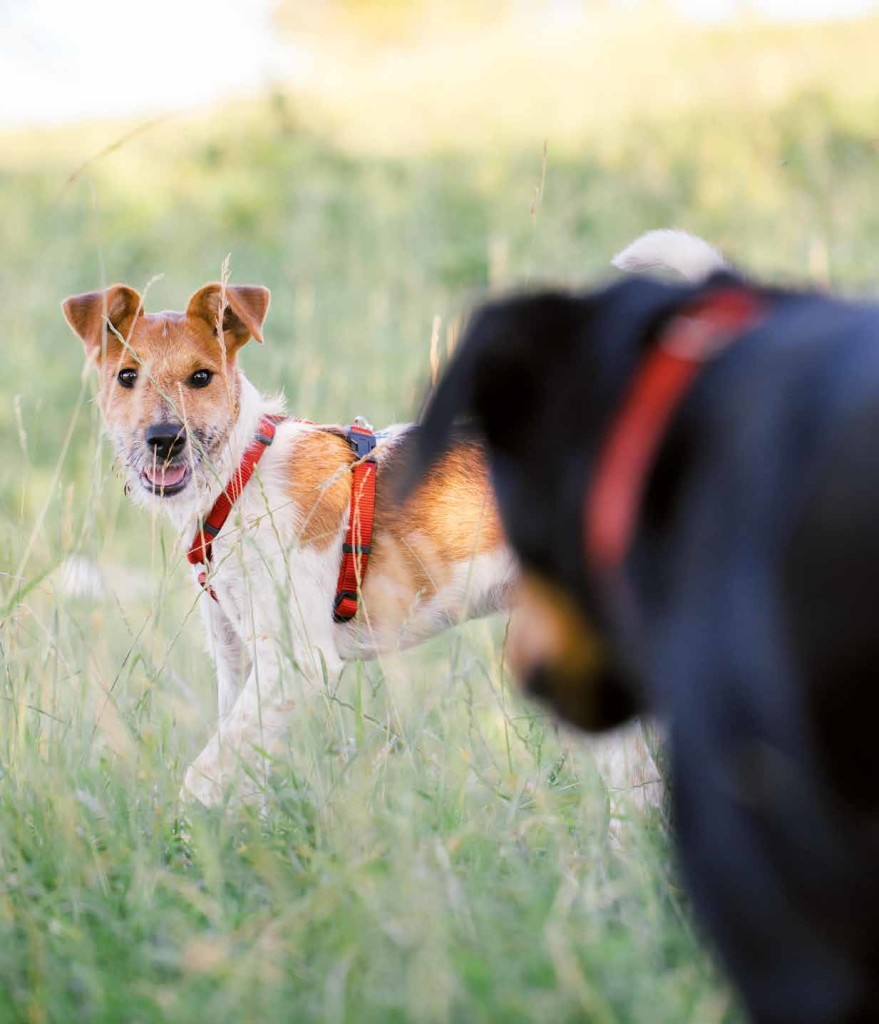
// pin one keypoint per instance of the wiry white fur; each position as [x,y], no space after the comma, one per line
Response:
[476,587]
[685,254]
[272,632]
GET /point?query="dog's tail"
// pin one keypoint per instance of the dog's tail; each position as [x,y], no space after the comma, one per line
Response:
[685,254]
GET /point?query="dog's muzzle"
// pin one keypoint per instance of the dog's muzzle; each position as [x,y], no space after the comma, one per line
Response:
[165,473]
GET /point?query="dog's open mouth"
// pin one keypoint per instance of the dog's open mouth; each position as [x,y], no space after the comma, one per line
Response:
[165,479]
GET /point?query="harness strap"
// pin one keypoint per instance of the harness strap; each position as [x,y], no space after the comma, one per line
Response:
[629,450]
[358,539]
[201,548]
[357,546]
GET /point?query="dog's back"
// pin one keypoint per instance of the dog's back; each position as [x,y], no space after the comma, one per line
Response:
[763,648]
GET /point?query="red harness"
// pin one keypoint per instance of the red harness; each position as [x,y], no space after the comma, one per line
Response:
[358,540]
[357,545]
[665,377]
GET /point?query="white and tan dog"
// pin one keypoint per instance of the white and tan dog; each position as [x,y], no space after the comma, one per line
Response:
[180,414]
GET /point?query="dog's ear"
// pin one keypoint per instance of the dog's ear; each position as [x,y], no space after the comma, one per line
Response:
[238,309]
[451,402]
[496,378]
[90,314]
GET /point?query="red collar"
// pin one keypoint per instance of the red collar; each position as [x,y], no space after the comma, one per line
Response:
[692,339]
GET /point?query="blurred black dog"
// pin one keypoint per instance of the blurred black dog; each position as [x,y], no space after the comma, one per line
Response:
[690,476]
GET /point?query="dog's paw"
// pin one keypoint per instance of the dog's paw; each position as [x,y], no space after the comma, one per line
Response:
[217,776]
[202,786]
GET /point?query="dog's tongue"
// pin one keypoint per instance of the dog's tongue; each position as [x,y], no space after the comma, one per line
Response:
[165,476]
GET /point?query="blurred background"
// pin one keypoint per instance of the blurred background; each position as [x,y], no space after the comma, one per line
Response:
[380,165]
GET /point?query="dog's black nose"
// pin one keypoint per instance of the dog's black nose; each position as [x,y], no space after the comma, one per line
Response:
[165,440]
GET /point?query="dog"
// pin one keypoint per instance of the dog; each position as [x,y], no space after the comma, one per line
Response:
[688,475]
[183,418]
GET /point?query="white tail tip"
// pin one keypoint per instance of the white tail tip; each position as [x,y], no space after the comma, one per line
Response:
[685,254]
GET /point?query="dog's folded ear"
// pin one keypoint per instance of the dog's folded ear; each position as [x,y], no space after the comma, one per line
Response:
[451,402]
[96,315]
[239,310]
[469,390]
[495,379]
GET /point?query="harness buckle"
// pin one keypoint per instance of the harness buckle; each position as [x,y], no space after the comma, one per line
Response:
[361,438]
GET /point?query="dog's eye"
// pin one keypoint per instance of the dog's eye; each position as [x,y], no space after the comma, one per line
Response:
[127,378]
[200,379]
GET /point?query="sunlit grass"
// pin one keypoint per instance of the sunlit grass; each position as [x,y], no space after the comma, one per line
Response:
[429,849]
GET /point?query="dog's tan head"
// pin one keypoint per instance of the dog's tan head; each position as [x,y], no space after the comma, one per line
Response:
[169,384]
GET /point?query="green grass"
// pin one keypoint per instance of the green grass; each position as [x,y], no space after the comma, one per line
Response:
[433,849]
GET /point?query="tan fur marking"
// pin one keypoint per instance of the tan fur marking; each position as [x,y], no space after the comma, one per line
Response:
[320,485]
[454,505]
[450,519]
[550,638]
[166,349]
[550,631]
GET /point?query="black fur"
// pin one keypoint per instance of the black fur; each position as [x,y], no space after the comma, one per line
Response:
[751,620]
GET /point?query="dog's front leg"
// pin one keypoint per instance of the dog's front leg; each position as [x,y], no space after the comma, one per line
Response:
[239,752]
[232,663]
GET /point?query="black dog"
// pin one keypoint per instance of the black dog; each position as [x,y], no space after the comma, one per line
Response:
[741,608]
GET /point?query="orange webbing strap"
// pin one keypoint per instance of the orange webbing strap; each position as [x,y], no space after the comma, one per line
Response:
[358,540]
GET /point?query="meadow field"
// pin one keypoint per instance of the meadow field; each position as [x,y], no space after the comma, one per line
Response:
[433,848]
